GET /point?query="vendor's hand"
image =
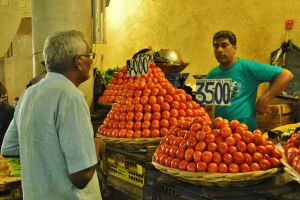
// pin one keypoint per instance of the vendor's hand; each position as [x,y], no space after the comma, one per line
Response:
[262,106]
[100,146]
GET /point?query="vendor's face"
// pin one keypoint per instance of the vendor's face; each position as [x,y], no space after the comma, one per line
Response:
[224,52]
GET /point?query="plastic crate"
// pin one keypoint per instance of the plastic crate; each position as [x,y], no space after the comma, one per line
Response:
[134,168]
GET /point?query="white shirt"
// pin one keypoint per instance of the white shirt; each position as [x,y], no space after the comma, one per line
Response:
[52,133]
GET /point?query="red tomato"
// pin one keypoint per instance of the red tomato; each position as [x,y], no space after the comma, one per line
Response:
[254,167]
[156,108]
[207,156]
[122,133]
[168,162]
[197,156]
[137,125]
[189,154]
[173,121]
[160,99]
[147,117]
[222,148]
[264,164]
[251,148]
[166,115]
[201,167]
[180,153]
[222,168]
[164,123]
[182,165]
[181,113]
[248,158]
[244,167]
[258,139]
[174,113]
[146,125]
[261,149]
[174,163]
[275,162]
[200,146]
[276,153]
[226,132]
[146,133]
[291,154]
[234,168]
[182,144]
[234,124]
[191,167]
[212,167]
[219,139]
[147,108]
[130,134]
[130,116]
[191,142]
[237,137]
[241,146]
[162,92]
[230,141]
[137,134]
[212,147]
[170,139]
[227,158]
[257,157]
[175,105]
[154,124]
[138,116]
[163,132]
[232,150]
[168,99]
[238,158]
[154,91]
[173,151]
[146,92]
[155,133]
[216,132]
[210,138]
[129,125]
[217,158]
[218,122]
[247,137]
[165,106]
[200,135]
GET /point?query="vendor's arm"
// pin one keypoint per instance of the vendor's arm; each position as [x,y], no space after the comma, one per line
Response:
[278,85]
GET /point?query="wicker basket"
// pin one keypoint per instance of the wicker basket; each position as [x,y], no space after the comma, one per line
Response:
[131,142]
[290,170]
[219,179]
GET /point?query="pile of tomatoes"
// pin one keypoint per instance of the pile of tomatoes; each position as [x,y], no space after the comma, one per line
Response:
[147,106]
[229,147]
[292,151]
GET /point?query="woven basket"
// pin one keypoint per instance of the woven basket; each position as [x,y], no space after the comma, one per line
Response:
[290,170]
[132,142]
[219,179]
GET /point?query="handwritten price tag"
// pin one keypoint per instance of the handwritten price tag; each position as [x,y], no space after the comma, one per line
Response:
[218,90]
[139,65]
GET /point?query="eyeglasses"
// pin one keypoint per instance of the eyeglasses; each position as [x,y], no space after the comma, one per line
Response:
[91,55]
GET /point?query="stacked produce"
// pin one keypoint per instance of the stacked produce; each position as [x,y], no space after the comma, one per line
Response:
[146,106]
[292,151]
[229,147]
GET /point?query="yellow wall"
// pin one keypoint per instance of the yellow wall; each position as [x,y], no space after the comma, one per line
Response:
[188,26]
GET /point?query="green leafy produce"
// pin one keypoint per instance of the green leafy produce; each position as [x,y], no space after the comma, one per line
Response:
[108,74]
[15,166]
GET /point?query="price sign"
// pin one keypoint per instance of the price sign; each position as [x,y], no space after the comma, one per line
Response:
[217,90]
[139,65]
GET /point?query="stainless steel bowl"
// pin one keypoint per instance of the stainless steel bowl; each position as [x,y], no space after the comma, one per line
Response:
[171,56]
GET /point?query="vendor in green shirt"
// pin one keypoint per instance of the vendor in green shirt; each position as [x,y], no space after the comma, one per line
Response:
[246,76]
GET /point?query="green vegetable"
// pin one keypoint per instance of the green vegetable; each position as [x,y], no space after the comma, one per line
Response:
[108,74]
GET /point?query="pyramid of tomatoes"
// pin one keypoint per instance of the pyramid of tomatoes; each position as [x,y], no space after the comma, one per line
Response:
[292,151]
[146,106]
[229,147]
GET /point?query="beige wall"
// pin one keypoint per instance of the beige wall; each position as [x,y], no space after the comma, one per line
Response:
[188,26]
[18,67]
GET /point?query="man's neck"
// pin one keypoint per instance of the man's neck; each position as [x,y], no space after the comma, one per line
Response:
[227,65]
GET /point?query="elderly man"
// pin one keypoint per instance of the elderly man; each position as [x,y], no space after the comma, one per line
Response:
[51,129]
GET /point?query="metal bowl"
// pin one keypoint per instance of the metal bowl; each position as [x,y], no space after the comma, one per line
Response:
[171,56]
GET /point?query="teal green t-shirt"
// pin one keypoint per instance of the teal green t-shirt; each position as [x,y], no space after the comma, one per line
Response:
[246,76]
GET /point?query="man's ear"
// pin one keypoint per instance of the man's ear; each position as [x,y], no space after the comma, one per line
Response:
[78,62]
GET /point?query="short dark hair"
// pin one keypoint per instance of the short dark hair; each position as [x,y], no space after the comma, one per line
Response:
[225,34]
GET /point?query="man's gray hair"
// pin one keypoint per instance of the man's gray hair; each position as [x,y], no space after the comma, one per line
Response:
[61,48]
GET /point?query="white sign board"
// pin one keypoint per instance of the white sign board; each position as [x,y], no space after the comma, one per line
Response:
[217,90]
[138,66]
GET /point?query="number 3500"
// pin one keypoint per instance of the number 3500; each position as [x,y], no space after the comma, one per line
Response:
[213,89]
